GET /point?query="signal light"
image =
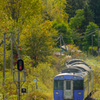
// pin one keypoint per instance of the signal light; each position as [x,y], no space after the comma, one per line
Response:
[20,65]
[23,90]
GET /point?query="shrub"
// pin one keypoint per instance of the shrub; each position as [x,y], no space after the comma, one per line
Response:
[37,96]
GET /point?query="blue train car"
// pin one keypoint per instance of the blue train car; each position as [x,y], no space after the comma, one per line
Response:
[74,83]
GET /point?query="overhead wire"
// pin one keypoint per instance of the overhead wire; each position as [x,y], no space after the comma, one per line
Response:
[90,32]
[85,35]
[87,31]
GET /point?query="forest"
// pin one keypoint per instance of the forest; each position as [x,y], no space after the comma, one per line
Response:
[36,26]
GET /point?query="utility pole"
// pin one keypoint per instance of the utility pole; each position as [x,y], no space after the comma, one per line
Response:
[98,41]
[4,62]
[11,54]
[18,36]
[92,42]
[36,84]
[16,47]
[60,45]
[18,89]
[64,45]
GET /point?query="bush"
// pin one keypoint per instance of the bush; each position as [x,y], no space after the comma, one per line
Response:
[37,96]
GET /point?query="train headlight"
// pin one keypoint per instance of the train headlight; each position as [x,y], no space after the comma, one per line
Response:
[57,93]
[79,93]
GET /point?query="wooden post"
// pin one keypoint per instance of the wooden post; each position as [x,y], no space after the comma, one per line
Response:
[11,54]
[4,62]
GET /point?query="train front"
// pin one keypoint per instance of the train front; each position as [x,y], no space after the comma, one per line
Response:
[68,87]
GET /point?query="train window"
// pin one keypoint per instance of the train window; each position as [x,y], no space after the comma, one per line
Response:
[68,85]
[78,84]
[58,84]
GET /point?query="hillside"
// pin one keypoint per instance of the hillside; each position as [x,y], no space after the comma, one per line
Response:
[35,31]
[44,73]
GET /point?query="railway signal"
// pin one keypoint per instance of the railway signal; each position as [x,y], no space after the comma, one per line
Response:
[20,65]
[23,90]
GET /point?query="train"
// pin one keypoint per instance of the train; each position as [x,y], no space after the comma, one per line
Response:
[75,82]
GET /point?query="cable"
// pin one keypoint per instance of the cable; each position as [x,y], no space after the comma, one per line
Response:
[85,35]
[86,32]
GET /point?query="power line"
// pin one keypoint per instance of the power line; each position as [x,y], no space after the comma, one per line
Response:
[86,35]
[86,32]
[83,36]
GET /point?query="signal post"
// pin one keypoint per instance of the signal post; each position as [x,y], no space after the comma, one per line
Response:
[20,73]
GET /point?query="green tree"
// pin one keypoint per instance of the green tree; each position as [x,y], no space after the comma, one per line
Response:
[88,14]
[87,41]
[95,7]
[73,5]
[77,21]
[82,18]
[64,30]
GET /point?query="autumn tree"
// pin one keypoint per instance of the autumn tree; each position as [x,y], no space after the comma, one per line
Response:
[91,29]
[21,9]
[37,40]
[54,10]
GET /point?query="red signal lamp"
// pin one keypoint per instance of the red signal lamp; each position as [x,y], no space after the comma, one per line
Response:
[20,65]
